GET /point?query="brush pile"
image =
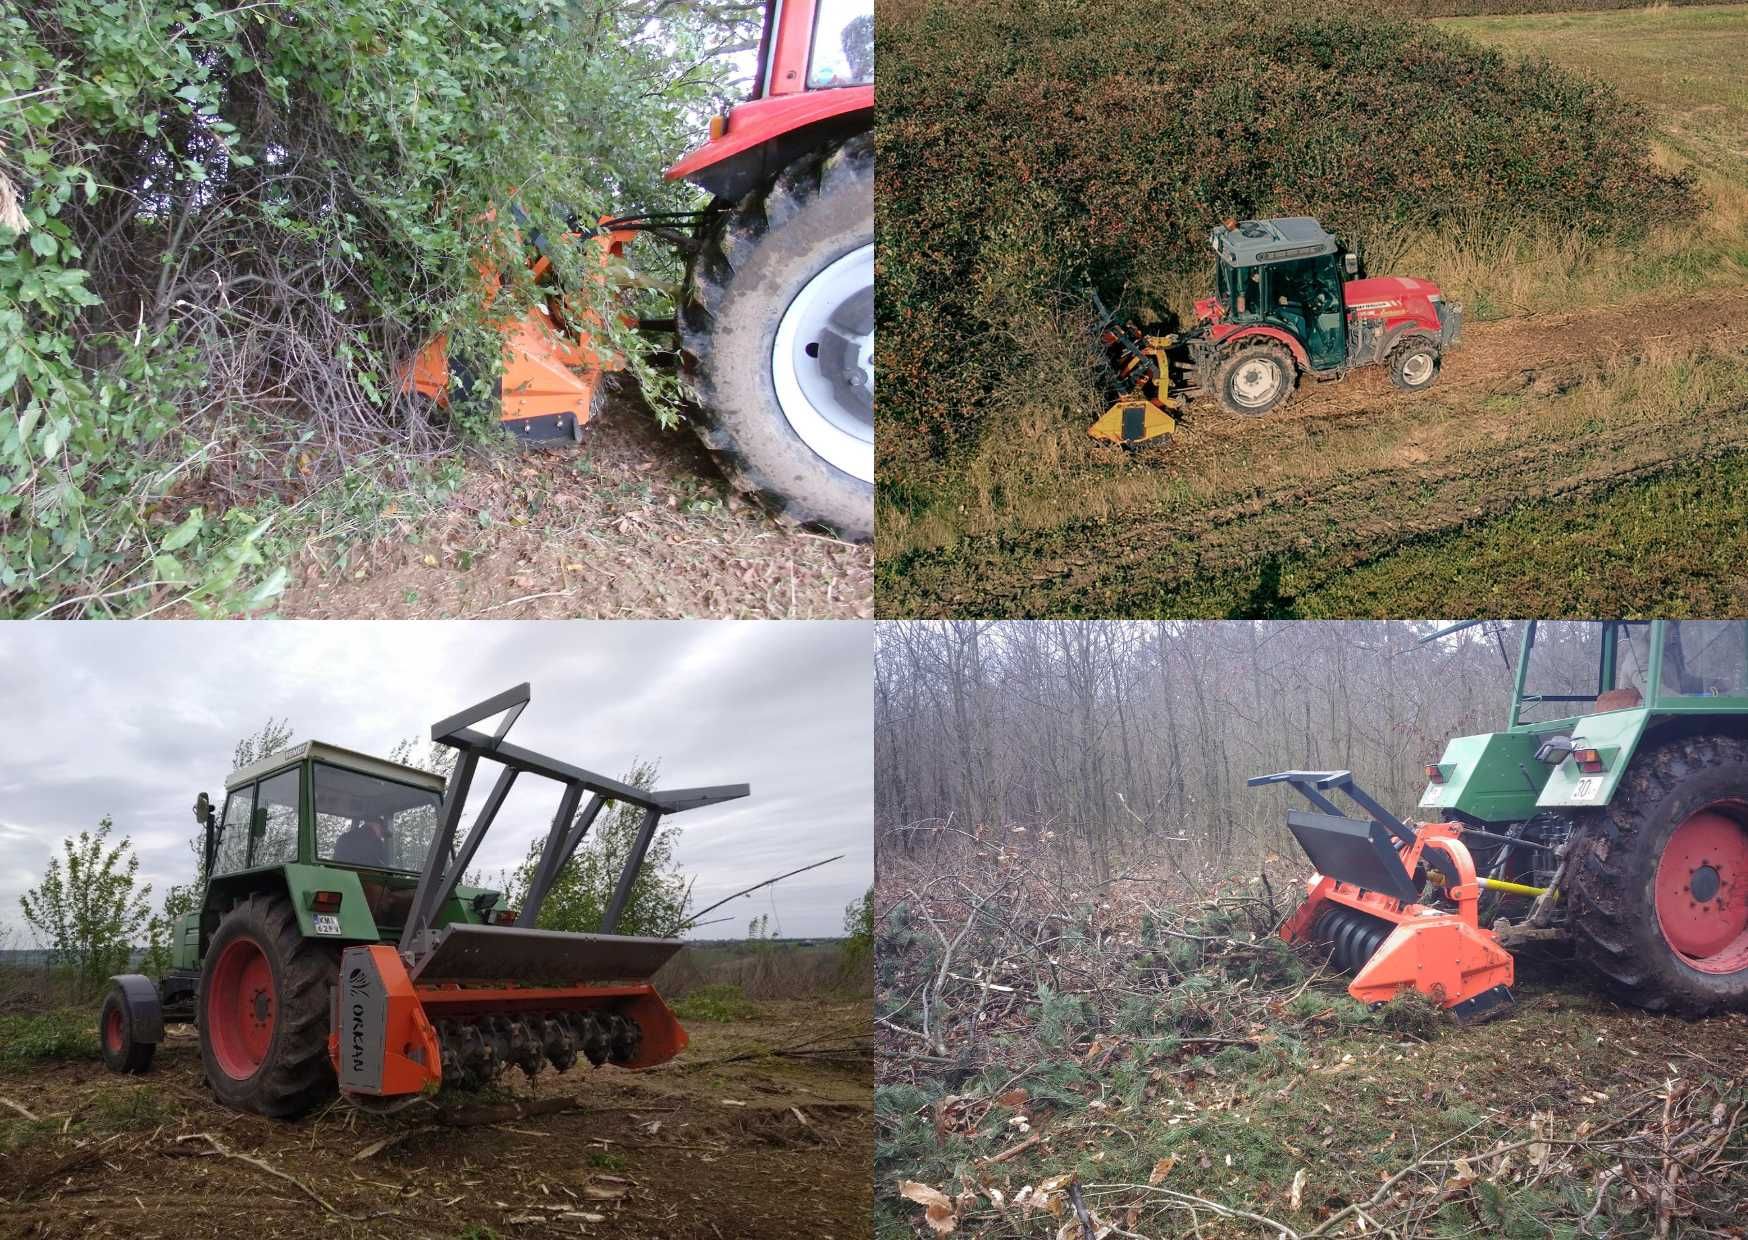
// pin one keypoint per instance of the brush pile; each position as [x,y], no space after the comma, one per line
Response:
[1064,1054]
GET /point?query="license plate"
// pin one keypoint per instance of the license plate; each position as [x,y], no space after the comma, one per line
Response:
[1587,789]
[1431,796]
[327,923]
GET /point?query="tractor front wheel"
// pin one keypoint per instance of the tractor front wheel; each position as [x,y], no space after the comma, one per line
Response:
[1254,379]
[1659,894]
[263,1010]
[1413,364]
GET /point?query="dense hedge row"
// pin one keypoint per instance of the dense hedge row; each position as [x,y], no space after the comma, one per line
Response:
[1032,148]
[1479,8]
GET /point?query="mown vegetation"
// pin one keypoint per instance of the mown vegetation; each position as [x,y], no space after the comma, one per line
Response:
[223,230]
[1470,8]
[1030,152]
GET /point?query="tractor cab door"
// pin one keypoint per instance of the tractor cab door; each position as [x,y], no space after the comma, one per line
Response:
[1304,297]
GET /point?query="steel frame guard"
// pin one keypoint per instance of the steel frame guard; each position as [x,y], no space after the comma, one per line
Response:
[437,882]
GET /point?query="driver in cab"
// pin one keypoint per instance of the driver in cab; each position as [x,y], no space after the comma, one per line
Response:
[364,843]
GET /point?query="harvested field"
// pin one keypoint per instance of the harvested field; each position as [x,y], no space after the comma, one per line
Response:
[760,1128]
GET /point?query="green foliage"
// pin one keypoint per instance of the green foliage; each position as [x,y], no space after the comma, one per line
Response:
[579,896]
[1412,1013]
[87,908]
[1031,151]
[720,1003]
[1060,1017]
[1476,8]
[180,900]
[759,931]
[235,224]
[65,1033]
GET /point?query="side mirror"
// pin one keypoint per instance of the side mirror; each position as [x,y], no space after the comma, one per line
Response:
[1555,750]
[1352,263]
[203,809]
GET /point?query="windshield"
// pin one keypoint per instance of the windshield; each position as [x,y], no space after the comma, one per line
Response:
[368,821]
[1564,676]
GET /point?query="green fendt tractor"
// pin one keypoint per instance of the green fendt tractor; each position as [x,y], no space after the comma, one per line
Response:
[1622,778]
[336,947]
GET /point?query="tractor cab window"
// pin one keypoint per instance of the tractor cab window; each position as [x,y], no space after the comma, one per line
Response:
[1632,657]
[1564,674]
[368,821]
[1240,282]
[843,44]
[275,821]
[233,849]
[1705,658]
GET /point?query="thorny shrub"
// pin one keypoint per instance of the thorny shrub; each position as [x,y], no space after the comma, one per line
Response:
[223,228]
[1033,150]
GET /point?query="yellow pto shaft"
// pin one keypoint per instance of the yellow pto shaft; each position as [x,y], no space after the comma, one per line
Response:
[1516,889]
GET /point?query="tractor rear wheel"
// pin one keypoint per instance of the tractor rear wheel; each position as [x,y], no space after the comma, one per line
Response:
[777,326]
[1413,364]
[263,1010]
[115,1029]
[1659,893]
[1254,379]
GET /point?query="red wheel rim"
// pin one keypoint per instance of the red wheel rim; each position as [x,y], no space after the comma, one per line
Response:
[112,1029]
[240,1009]
[1701,889]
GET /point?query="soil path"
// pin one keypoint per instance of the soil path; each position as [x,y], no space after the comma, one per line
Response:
[700,1149]
[1139,560]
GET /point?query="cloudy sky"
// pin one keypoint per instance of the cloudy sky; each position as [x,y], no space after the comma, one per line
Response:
[134,719]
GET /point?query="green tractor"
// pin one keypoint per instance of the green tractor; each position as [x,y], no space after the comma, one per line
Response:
[1621,780]
[335,946]
[1610,813]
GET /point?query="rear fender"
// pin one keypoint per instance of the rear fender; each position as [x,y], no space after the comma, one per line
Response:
[765,136]
[1235,336]
[353,922]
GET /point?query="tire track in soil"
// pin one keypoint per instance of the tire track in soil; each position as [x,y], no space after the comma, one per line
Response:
[1133,563]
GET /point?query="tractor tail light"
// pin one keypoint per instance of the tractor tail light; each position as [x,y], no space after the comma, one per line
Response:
[326,902]
[718,126]
[1589,761]
[1434,774]
[505,917]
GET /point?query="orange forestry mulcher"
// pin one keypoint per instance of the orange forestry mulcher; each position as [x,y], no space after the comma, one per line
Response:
[1369,898]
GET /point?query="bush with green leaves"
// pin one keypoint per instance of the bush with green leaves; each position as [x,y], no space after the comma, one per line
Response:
[1033,151]
[224,229]
[88,909]
[579,895]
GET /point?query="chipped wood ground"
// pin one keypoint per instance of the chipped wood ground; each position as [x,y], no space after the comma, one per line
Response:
[1065,1056]
[761,1128]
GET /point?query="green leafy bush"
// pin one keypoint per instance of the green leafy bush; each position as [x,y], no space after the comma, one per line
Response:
[1029,151]
[225,228]
[721,1002]
[66,1033]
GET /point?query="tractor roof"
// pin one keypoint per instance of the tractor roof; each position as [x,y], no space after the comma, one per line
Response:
[1272,241]
[351,760]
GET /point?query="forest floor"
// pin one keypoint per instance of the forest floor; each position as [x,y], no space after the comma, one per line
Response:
[635,521]
[743,1135]
[1584,443]
[1161,1061]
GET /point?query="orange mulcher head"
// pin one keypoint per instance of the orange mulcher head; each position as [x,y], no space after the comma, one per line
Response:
[552,376]
[1364,901]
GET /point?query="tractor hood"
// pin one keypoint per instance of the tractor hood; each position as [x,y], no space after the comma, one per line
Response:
[1386,292]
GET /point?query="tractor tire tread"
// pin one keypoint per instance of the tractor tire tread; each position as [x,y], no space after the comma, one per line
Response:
[817,499]
[1236,358]
[298,1074]
[1612,911]
[134,1057]
[1399,353]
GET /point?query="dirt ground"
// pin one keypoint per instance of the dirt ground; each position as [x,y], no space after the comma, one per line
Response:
[1345,471]
[725,1141]
[633,522]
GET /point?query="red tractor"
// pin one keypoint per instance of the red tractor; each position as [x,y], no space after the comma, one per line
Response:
[777,316]
[776,319]
[1284,305]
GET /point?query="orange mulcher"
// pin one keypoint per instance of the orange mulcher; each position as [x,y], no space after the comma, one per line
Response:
[1367,901]
[552,380]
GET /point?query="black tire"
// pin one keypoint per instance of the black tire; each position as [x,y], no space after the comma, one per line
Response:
[1413,363]
[295,1073]
[1613,913]
[1240,368]
[745,274]
[120,1052]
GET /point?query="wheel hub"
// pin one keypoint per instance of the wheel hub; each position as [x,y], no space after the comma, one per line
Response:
[239,1009]
[1701,898]
[822,364]
[1255,383]
[1417,368]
